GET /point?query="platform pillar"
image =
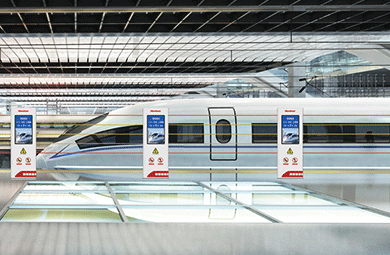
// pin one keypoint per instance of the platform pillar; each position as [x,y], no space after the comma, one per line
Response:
[296,71]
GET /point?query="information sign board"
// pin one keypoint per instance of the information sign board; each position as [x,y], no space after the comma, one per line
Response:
[290,143]
[155,143]
[23,143]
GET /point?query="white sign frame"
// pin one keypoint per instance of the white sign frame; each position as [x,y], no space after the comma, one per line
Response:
[290,149]
[155,154]
[23,147]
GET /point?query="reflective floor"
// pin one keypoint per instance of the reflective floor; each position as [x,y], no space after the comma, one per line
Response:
[206,202]
[372,190]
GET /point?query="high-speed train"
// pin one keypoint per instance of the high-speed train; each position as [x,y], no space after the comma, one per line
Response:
[226,139]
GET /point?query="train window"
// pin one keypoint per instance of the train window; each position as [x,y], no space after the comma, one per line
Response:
[366,133]
[349,133]
[334,133]
[372,133]
[88,142]
[322,133]
[263,133]
[122,135]
[135,134]
[78,128]
[315,134]
[346,133]
[223,131]
[186,133]
[116,136]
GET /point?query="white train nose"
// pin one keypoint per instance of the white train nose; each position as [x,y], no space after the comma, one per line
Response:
[41,163]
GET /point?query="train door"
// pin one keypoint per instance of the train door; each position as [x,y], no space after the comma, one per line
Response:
[223,134]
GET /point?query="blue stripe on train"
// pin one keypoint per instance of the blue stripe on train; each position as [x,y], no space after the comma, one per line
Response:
[59,154]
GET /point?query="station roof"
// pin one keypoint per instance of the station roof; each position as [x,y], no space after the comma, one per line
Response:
[171,44]
[177,16]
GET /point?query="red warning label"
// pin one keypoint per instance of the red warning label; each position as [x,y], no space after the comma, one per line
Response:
[19,161]
[160,161]
[28,161]
[294,161]
[285,161]
[151,161]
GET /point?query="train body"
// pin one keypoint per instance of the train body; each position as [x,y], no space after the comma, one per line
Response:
[226,139]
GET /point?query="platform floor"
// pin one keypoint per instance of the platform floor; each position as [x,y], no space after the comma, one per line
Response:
[322,214]
[166,201]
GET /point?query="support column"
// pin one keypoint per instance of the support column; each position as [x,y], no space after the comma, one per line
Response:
[296,71]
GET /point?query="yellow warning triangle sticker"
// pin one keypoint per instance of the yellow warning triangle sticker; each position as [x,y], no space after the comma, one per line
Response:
[23,151]
[290,151]
[155,151]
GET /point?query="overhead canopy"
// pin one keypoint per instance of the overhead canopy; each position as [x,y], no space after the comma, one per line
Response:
[171,53]
[173,44]
[167,16]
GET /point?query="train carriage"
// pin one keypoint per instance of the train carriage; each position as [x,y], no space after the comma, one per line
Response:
[226,139]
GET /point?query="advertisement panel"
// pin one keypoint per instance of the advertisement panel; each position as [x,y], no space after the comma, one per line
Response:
[290,143]
[23,143]
[155,143]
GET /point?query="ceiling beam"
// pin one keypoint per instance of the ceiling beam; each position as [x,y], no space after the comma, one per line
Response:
[247,8]
[94,92]
[102,99]
[130,75]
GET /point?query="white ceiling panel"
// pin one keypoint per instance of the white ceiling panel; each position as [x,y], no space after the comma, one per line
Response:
[73,55]
[42,55]
[160,39]
[22,40]
[110,39]
[71,40]
[63,55]
[21,55]
[113,56]
[52,55]
[122,39]
[32,55]
[103,55]
[93,56]
[98,40]
[34,40]
[85,39]
[8,55]
[46,40]
[147,39]
[59,41]
[83,56]
[10,40]
[124,55]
